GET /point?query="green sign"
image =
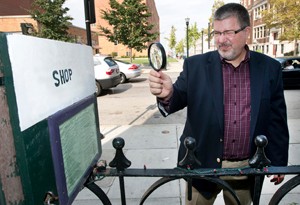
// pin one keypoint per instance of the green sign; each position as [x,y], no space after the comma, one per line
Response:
[79,145]
[75,145]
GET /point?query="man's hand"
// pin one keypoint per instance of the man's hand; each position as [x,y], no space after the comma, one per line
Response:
[277,179]
[160,84]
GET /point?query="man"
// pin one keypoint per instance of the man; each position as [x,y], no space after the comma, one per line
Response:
[232,95]
[289,65]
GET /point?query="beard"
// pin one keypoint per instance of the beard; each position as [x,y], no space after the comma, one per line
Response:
[227,52]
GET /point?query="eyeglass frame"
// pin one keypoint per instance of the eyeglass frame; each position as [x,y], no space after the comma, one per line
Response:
[225,33]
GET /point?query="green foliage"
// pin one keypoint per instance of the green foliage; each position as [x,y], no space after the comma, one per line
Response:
[114,54]
[144,61]
[52,19]
[284,15]
[216,5]
[172,40]
[194,35]
[180,46]
[129,24]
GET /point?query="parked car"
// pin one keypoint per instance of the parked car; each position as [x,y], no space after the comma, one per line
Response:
[128,70]
[107,73]
[290,77]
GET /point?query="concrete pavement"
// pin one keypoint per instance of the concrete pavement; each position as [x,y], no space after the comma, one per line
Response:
[156,146]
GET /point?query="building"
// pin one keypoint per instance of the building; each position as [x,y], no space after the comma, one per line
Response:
[15,19]
[107,47]
[262,39]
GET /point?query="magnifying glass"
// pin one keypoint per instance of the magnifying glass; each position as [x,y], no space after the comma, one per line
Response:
[157,56]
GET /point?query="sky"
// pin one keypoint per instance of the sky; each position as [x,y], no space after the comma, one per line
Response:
[171,13]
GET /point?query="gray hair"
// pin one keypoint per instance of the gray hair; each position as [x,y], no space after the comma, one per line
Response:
[233,10]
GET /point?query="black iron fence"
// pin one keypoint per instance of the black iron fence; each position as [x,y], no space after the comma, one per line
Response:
[258,167]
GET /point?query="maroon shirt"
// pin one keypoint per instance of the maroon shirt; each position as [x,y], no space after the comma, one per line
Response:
[237,109]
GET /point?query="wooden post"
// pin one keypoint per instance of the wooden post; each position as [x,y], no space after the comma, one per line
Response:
[10,183]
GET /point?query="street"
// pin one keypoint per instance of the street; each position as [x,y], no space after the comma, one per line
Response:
[133,104]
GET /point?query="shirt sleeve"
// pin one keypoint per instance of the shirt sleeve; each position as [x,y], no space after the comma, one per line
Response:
[163,106]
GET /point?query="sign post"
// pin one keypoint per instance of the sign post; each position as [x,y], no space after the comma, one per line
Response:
[49,91]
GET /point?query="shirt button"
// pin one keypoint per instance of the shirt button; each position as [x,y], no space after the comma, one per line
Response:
[218,160]
[221,140]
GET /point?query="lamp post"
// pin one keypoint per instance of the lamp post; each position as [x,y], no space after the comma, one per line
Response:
[202,32]
[208,35]
[187,20]
[90,18]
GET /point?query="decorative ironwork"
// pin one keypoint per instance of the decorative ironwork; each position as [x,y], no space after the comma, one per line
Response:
[259,160]
[189,161]
[120,161]
[258,167]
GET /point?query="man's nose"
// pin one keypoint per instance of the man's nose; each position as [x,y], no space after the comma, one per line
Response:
[222,38]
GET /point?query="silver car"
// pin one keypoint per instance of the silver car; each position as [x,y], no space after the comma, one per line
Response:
[107,73]
[128,70]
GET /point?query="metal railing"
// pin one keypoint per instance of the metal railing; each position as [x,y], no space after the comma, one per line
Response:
[258,167]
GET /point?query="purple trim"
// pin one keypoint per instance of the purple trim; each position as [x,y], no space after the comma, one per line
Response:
[54,122]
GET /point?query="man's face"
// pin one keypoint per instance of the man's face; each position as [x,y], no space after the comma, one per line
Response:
[230,44]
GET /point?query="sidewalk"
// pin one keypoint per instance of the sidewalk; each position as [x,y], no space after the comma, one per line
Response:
[156,146]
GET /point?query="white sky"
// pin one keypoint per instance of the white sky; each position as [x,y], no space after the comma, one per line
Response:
[171,12]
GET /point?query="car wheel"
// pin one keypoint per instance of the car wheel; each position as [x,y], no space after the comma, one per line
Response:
[123,78]
[98,88]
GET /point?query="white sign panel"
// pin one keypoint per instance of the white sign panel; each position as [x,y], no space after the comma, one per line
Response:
[48,76]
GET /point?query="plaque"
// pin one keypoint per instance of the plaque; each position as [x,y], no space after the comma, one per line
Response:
[75,145]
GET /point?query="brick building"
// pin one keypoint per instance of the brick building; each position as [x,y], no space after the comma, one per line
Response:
[13,13]
[107,47]
[263,39]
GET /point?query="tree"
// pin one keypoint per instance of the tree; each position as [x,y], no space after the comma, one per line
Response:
[217,4]
[194,35]
[180,47]
[53,23]
[172,40]
[129,24]
[284,15]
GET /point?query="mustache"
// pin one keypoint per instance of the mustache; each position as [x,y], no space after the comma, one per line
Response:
[224,44]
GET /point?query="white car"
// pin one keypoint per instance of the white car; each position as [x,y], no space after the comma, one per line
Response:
[128,70]
[107,73]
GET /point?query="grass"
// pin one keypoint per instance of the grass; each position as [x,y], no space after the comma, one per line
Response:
[145,61]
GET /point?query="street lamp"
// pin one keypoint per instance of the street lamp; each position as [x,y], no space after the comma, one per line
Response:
[202,32]
[208,35]
[187,20]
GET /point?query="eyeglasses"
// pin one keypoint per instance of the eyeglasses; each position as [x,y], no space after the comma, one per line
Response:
[228,33]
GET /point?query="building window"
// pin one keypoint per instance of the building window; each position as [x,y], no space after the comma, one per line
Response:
[260,32]
[267,48]
[275,35]
[258,11]
[282,48]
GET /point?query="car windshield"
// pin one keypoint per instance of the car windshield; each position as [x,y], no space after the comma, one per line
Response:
[279,59]
[110,62]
